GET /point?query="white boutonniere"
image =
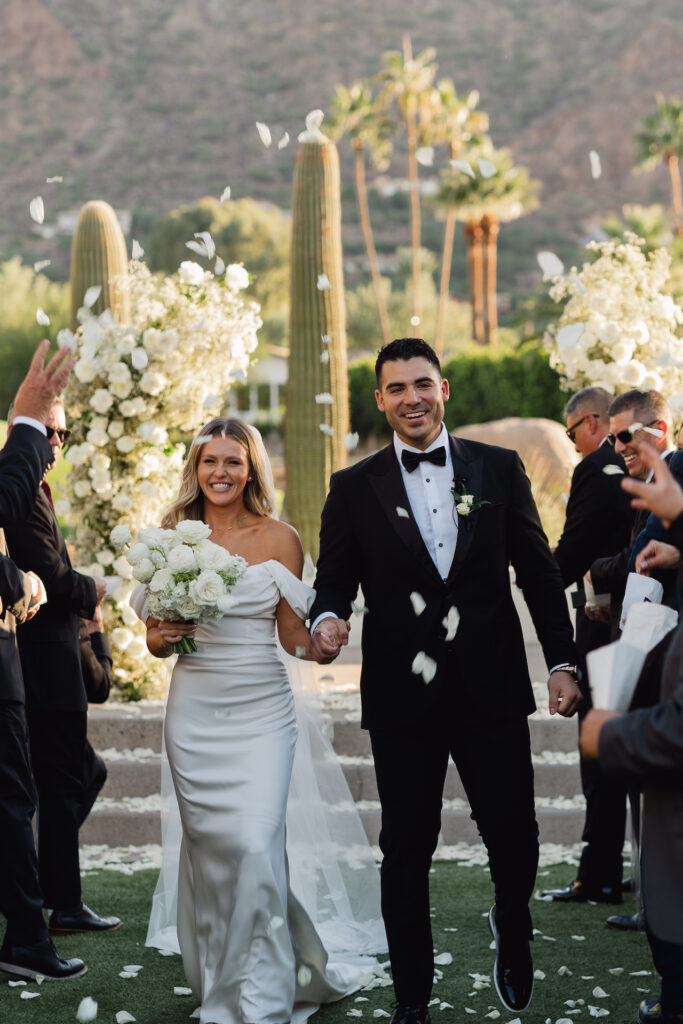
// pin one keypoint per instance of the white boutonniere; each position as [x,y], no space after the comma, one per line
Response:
[466,504]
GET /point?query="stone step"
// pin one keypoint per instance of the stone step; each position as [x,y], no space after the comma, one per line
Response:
[142,777]
[117,826]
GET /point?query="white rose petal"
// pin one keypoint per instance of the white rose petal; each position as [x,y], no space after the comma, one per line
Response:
[92,295]
[324,398]
[616,970]
[208,242]
[425,155]
[325,428]
[139,358]
[123,1017]
[451,623]
[600,993]
[596,167]
[402,513]
[219,267]
[350,440]
[443,959]
[29,995]
[304,976]
[284,141]
[551,265]
[418,602]
[225,194]
[611,470]
[323,283]
[424,665]
[87,1010]
[36,208]
[136,253]
[487,169]
[264,133]
[569,335]
[40,265]
[42,318]
[466,167]
[180,990]
[128,974]
[275,923]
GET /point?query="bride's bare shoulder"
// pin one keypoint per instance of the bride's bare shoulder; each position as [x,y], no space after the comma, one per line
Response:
[285,545]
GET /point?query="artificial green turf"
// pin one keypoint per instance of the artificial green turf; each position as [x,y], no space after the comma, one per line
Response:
[460,898]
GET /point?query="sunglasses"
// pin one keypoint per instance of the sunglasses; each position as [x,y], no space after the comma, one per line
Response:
[570,430]
[62,434]
[626,436]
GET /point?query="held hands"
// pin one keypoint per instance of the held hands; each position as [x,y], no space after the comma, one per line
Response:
[589,737]
[564,695]
[328,639]
[42,384]
[662,495]
[657,555]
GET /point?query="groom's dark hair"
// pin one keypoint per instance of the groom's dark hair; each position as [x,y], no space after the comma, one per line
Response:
[405,348]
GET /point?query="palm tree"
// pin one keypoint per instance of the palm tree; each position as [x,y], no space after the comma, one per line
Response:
[661,141]
[647,222]
[405,79]
[498,191]
[453,121]
[355,112]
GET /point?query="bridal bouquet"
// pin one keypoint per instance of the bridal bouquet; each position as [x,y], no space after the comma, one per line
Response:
[186,575]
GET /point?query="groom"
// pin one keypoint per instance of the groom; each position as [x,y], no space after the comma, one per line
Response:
[428,527]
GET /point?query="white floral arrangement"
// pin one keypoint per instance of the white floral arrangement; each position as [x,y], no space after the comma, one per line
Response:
[186,576]
[618,328]
[191,335]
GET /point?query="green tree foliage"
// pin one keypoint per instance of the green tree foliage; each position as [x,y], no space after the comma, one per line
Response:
[660,141]
[245,231]
[22,292]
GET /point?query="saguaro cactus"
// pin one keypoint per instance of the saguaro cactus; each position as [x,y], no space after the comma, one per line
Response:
[99,257]
[317,339]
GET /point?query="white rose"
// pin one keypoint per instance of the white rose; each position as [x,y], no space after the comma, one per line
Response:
[236,277]
[622,352]
[115,428]
[146,465]
[121,637]
[161,581]
[121,388]
[139,358]
[82,488]
[190,272]
[136,552]
[85,371]
[662,306]
[122,568]
[101,400]
[188,609]
[137,648]
[211,556]
[191,531]
[144,570]
[149,489]
[129,616]
[97,437]
[181,559]
[640,333]
[125,444]
[106,557]
[101,462]
[118,371]
[76,455]
[652,381]
[101,482]
[152,383]
[133,407]
[226,602]
[122,502]
[634,372]
[62,507]
[120,535]
[207,588]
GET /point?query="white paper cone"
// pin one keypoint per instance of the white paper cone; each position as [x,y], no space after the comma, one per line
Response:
[640,588]
[593,599]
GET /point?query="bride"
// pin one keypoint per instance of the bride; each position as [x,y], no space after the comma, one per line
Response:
[257,946]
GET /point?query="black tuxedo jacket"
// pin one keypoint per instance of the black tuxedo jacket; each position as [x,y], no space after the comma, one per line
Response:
[23,460]
[598,524]
[364,540]
[49,644]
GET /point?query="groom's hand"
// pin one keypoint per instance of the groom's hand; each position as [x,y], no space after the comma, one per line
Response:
[564,695]
[328,639]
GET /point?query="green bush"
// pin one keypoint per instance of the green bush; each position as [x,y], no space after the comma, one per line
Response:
[485,385]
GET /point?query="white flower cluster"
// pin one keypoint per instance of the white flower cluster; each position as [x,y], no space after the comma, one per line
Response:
[186,575]
[190,336]
[618,329]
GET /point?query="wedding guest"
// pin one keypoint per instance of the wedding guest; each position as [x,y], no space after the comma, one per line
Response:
[598,523]
[56,703]
[27,951]
[429,527]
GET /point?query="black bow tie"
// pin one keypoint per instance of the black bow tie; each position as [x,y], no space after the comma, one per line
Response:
[411,460]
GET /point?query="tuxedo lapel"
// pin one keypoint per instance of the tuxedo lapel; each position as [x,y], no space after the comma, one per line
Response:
[387,482]
[469,471]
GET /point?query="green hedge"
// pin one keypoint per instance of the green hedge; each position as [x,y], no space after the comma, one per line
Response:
[485,385]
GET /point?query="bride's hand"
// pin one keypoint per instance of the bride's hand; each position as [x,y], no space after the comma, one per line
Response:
[173,632]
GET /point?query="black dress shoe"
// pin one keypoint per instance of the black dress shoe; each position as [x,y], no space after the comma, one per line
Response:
[628,885]
[85,920]
[627,923]
[577,892]
[410,1015]
[39,960]
[650,1012]
[513,971]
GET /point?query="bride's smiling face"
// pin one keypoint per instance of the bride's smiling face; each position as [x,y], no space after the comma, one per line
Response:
[223,470]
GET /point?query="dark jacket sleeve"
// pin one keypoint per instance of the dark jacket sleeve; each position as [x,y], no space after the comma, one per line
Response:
[609,574]
[337,572]
[16,589]
[23,461]
[96,661]
[33,546]
[654,528]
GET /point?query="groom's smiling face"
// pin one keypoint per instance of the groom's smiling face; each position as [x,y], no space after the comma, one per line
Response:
[411,394]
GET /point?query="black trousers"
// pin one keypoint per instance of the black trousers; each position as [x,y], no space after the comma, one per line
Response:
[493,758]
[94,778]
[58,749]
[21,900]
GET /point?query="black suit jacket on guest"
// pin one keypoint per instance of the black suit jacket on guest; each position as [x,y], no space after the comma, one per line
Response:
[49,644]
[364,540]
[23,460]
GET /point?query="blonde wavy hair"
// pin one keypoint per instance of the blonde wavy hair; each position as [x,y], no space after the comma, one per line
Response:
[257,497]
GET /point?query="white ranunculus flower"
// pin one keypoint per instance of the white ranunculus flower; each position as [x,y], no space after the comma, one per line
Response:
[120,535]
[101,400]
[126,444]
[144,570]
[82,488]
[115,428]
[152,383]
[634,373]
[122,502]
[152,536]
[161,581]
[121,637]
[136,552]
[122,568]
[97,437]
[211,556]
[137,648]
[236,277]
[181,559]
[190,272]
[569,335]
[139,358]
[85,371]
[105,556]
[191,531]
[207,588]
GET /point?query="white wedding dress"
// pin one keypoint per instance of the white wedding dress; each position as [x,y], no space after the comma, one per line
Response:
[259,947]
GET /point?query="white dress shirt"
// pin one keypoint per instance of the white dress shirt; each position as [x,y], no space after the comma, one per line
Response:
[30,422]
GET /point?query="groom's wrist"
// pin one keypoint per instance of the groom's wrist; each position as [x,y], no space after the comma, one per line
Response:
[319,619]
